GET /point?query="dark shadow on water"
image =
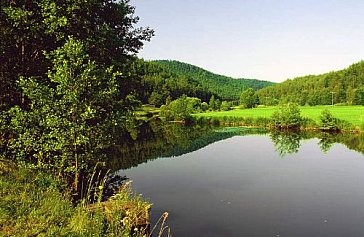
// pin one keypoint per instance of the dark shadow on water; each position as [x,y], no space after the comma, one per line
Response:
[157,140]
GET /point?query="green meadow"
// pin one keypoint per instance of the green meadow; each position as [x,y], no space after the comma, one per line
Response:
[352,114]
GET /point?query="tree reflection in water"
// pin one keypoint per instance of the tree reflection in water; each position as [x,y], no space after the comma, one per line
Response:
[286,143]
[156,140]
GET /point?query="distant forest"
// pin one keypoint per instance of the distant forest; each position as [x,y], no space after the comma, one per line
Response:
[157,83]
[164,79]
[226,88]
[338,87]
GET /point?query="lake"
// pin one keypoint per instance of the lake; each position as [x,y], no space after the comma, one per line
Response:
[260,184]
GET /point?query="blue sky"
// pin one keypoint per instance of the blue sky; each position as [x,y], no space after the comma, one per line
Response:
[264,39]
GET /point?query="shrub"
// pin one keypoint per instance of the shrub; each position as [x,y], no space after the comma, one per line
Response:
[328,122]
[204,106]
[225,106]
[287,117]
[178,110]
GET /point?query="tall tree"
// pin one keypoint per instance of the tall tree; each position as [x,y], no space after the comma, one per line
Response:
[249,99]
[212,103]
[28,28]
[66,126]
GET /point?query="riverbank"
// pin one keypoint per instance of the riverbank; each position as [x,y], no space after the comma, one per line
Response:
[34,203]
[351,117]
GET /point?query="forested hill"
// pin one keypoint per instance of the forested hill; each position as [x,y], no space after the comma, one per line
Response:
[158,84]
[223,86]
[344,86]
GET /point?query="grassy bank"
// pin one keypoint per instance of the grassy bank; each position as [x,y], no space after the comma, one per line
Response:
[351,114]
[33,203]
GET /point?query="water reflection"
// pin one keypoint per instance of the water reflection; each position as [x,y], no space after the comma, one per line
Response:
[286,143]
[240,187]
[326,142]
[156,140]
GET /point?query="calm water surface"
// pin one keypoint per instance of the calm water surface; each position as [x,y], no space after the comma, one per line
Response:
[243,186]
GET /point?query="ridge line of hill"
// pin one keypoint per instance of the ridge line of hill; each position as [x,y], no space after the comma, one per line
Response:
[223,86]
[345,86]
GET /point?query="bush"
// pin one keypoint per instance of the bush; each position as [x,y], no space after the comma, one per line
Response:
[178,110]
[225,106]
[204,106]
[332,124]
[328,122]
[287,117]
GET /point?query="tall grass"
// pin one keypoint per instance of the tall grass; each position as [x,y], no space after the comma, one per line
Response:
[33,203]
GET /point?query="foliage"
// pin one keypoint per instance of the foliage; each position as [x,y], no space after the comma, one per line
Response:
[249,99]
[212,104]
[157,83]
[311,114]
[204,106]
[328,122]
[180,109]
[156,99]
[217,104]
[106,28]
[194,104]
[287,117]
[225,88]
[67,125]
[225,106]
[345,86]
[67,91]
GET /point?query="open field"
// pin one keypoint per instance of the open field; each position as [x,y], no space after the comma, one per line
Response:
[352,114]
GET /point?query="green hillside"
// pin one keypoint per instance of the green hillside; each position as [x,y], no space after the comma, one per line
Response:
[344,86]
[158,83]
[224,87]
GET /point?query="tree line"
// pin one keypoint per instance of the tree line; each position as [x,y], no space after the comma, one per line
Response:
[158,84]
[225,88]
[338,87]
[67,85]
